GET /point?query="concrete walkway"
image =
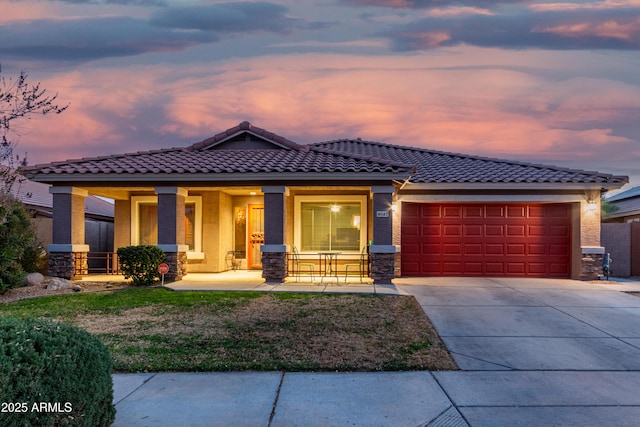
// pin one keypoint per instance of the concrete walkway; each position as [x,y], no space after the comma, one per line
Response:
[531,352]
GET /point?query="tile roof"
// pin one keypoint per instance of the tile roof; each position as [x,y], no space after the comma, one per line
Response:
[442,167]
[198,161]
[228,153]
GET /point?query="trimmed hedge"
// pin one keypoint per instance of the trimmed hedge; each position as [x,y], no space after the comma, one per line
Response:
[140,263]
[53,374]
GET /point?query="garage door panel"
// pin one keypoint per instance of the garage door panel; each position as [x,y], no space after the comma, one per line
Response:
[516,211]
[473,248]
[471,230]
[473,211]
[431,230]
[430,211]
[516,249]
[452,212]
[494,268]
[494,211]
[487,239]
[537,249]
[516,230]
[494,230]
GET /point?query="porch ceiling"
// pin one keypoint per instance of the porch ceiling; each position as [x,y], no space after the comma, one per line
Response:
[123,193]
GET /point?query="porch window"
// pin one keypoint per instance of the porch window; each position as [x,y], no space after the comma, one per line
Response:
[330,223]
[144,230]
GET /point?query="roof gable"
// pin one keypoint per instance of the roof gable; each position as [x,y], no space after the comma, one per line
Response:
[245,136]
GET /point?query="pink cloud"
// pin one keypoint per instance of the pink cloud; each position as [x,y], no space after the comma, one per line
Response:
[471,100]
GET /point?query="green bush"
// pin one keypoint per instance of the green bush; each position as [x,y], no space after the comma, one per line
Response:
[20,250]
[140,263]
[53,374]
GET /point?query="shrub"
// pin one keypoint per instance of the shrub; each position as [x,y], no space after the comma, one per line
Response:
[140,263]
[53,374]
[20,250]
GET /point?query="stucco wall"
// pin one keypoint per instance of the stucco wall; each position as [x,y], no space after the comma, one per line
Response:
[590,224]
[122,224]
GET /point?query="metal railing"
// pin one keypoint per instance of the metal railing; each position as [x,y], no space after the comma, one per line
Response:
[98,263]
[338,267]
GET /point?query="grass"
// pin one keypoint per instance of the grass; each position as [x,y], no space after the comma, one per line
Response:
[156,329]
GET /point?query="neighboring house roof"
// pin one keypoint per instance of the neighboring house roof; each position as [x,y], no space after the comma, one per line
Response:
[246,152]
[37,196]
[627,194]
[442,167]
[627,203]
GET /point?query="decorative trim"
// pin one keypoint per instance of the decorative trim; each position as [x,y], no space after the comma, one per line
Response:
[592,250]
[386,189]
[65,247]
[273,248]
[382,249]
[74,191]
[274,189]
[173,248]
[180,191]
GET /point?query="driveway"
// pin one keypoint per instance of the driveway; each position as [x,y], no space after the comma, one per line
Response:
[537,351]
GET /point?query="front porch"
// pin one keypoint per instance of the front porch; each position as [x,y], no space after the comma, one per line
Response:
[251,280]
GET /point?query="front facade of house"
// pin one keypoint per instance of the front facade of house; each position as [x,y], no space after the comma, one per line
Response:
[255,194]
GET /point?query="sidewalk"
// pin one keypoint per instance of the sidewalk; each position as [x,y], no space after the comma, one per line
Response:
[394,399]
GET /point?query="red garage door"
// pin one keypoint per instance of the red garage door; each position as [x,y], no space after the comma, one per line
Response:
[486,240]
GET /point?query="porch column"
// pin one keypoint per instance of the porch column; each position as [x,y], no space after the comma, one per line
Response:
[274,251]
[382,251]
[68,251]
[171,230]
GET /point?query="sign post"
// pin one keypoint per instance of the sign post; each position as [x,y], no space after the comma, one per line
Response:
[163,269]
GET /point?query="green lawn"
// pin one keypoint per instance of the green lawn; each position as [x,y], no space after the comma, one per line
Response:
[155,329]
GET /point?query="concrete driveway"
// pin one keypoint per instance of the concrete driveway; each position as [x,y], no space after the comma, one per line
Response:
[537,352]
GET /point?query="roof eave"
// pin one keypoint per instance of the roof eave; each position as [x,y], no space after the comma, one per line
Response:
[512,186]
[217,177]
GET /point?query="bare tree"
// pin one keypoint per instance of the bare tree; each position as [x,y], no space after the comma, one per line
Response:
[19,101]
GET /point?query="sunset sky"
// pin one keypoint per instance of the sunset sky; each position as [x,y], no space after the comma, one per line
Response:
[536,81]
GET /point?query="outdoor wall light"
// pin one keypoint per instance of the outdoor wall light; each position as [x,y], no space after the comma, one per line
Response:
[592,206]
[394,207]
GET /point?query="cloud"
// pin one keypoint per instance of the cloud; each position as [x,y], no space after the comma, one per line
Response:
[586,28]
[116,2]
[227,17]
[429,4]
[82,39]
[92,38]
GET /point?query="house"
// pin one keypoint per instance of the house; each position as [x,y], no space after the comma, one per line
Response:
[256,194]
[621,232]
[627,206]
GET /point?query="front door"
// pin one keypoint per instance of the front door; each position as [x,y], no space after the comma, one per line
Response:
[256,236]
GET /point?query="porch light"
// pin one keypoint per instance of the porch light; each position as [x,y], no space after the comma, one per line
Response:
[394,207]
[592,206]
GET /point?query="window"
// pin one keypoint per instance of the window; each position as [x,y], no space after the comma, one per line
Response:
[144,224]
[334,223]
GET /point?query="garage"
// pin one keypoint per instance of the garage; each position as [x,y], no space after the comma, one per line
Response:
[500,239]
